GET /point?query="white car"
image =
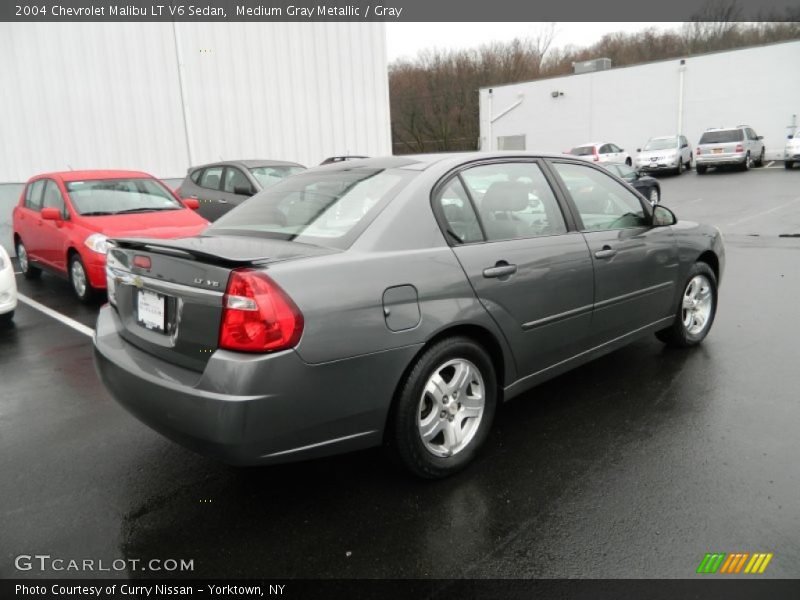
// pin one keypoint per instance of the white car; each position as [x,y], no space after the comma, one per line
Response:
[602,152]
[791,154]
[8,288]
[665,153]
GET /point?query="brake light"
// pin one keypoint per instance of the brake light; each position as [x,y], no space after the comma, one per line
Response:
[596,157]
[698,152]
[739,148]
[257,315]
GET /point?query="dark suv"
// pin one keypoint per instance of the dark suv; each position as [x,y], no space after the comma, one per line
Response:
[221,186]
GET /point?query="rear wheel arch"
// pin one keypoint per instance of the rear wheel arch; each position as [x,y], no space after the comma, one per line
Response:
[478,334]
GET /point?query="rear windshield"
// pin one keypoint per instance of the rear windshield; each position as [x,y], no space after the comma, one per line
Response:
[663,144]
[269,176]
[582,150]
[117,196]
[326,208]
[722,137]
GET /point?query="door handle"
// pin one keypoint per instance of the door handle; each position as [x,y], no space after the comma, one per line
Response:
[605,252]
[500,270]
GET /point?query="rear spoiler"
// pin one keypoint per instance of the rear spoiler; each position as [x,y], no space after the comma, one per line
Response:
[184,251]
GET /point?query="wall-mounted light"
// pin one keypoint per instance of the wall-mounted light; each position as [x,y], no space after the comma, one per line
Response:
[556,93]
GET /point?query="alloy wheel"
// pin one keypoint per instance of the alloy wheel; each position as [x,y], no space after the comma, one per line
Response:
[697,304]
[451,407]
[78,276]
[22,258]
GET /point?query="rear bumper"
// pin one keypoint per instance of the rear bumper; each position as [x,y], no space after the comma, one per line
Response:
[253,409]
[711,160]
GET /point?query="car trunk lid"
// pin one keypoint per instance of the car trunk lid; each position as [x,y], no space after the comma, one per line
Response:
[169,293]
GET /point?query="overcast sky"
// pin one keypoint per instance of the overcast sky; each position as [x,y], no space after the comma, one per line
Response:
[406,39]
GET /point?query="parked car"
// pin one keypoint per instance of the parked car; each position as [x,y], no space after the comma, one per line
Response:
[8,288]
[729,146]
[336,159]
[791,154]
[666,153]
[223,185]
[63,221]
[644,184]
[602,152]
[394,302]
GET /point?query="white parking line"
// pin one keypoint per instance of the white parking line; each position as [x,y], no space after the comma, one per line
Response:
[79,327]
[761,214]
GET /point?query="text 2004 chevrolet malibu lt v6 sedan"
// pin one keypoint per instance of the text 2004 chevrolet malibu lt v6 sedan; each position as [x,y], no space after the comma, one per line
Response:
[394,301]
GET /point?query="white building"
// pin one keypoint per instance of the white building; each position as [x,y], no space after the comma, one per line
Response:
[756,86]
[160,97]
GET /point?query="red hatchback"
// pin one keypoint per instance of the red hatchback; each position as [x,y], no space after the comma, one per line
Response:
[63,220]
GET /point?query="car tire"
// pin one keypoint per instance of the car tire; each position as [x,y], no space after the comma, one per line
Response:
[748,163]
[788,164]
[697,303]
[701,169]
[679,168]
[760,161]
[628,161]
[79,280]
[458,417]
[654,196]
[689,163]
[26,268]
[6,318]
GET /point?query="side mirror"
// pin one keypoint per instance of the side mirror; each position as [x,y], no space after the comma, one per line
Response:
[790,136]
[638,149]
[192,203]
[243,190]
[51,214]
[663,217]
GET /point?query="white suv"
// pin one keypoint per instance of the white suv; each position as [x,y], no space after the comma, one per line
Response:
[602,152]
[739,146]
[791,154]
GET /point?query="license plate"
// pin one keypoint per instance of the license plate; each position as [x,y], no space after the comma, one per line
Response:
[717,151]
[151,311]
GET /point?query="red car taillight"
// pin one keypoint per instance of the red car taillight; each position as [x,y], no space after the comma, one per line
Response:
[596,156]
[257,315]
[739,148]
[698,152]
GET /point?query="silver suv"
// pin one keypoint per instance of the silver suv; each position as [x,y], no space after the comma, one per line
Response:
[739,146]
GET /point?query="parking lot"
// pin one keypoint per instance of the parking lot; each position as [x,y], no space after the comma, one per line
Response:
[634,465]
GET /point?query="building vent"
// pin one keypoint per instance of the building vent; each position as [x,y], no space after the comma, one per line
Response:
[511,142]
[589,66]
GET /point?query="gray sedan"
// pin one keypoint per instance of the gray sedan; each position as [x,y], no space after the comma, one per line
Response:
[394,301]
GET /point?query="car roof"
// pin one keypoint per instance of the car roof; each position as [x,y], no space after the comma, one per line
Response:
[421,162]
[665,137]
[249,163]
[94,174]
[726,128]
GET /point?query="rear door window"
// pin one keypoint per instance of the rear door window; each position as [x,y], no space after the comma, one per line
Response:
[234,178]
[458,213]
[514,200]
[211,178]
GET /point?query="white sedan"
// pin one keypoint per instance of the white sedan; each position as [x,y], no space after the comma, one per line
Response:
[791,154]
[8,288]
[602,152]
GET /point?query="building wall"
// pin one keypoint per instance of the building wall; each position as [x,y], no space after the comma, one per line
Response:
[754,86]
[89,96]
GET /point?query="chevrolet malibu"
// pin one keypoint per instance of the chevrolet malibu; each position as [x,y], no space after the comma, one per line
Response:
[394,301]
[63,220]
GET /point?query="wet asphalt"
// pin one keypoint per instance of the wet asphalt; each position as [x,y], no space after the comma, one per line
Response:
[634,465]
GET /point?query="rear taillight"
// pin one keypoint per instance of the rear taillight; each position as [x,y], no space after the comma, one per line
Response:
[699,152]
[257,315]
[596,156]
[739,148]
